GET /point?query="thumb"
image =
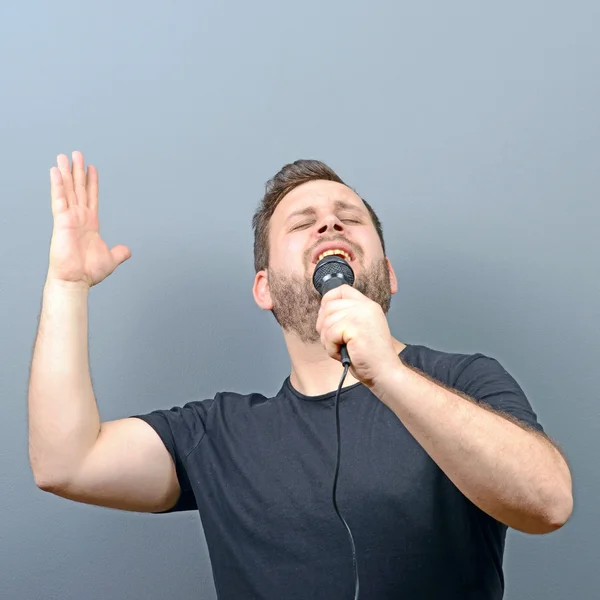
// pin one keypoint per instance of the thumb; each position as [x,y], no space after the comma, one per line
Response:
[120,253]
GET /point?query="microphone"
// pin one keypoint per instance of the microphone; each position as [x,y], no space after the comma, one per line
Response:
[331,272]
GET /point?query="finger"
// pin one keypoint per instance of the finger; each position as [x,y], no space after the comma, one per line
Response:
[65,170]
[347,291]
[343,292]
[328,308]
[57,192]
[332,339]
[92,187]
[120,253]
[333,294]
[339,304]
[332,332]
[79,178]
[335,317]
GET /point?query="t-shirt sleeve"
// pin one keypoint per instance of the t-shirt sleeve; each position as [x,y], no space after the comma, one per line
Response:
[181,429]
[484,379]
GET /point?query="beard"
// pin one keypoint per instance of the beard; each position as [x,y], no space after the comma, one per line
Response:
[296,302]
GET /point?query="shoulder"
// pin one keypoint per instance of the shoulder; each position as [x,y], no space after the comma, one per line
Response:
[479,376]
[184,426]
[194,417]
[446,367]
[228,403]
[473,373]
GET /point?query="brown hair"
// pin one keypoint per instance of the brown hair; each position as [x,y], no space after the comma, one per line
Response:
[288,178]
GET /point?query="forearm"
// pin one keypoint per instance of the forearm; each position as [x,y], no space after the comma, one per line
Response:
[514,475]
[63,417]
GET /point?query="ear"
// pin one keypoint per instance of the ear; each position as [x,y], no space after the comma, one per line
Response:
[393,280]
[261,291]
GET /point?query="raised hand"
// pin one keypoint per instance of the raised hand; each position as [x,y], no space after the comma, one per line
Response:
[77,252]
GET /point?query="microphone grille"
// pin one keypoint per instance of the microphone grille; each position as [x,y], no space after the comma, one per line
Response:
[332,267]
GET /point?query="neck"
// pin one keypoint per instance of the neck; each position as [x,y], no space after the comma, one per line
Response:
[314,372]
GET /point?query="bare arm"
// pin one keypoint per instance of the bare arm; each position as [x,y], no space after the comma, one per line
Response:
[120,464]
[515,475]
[64,422]
[128,468]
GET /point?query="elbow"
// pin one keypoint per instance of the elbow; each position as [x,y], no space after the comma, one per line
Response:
[40,471]
[557,499]
[46,483]
[546,519]
[47,476]
[557,508]
[546,511]
[561,511]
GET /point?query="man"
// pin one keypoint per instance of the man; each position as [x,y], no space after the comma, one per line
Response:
[440,452]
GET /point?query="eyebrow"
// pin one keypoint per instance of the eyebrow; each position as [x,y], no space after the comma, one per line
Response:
[339,205]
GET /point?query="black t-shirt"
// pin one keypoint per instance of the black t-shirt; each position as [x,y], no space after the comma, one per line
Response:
[260,471]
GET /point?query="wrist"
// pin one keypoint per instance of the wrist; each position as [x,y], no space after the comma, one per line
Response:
[54,284]
[389,380]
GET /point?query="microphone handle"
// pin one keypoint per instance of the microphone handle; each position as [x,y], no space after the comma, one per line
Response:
[329,285]
[344,353]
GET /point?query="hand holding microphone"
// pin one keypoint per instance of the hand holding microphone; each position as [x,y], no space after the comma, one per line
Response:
[353,328]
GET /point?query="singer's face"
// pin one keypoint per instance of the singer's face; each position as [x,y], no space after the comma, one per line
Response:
[313,216]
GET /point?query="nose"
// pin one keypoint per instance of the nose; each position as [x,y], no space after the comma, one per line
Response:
[330,223]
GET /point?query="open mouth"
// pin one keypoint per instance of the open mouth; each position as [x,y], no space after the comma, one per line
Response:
[334,252]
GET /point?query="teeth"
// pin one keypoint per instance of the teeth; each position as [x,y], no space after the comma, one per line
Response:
[341,253]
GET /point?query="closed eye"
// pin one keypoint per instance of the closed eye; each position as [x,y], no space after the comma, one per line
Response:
[308,223]
[301,226]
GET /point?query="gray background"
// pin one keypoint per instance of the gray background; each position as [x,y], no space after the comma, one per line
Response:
[474,132]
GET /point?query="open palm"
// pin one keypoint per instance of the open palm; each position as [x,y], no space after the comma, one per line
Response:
[77,252]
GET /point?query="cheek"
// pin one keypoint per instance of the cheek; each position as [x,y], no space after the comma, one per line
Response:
[291,253]
[372,249]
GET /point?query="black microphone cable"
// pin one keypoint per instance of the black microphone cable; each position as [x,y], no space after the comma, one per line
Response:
[331,272]
[335,479]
